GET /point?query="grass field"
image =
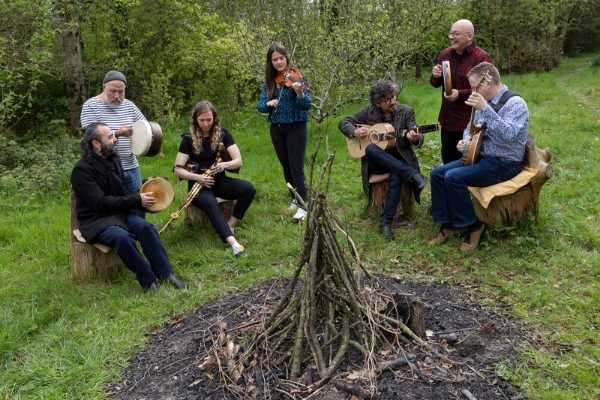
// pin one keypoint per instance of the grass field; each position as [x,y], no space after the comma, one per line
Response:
[60,340]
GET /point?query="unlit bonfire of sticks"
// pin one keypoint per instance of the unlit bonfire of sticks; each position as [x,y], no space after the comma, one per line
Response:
[327,318]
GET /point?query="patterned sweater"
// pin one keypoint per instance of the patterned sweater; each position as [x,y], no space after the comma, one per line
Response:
[290,109]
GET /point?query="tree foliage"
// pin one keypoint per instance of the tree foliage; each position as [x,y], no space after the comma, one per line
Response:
[175,52]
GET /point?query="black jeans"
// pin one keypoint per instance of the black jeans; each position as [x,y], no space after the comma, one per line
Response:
[289,141]
[229,189]
[380,161]
[449,141]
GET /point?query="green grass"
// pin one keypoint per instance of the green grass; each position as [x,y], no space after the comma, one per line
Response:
[60,340]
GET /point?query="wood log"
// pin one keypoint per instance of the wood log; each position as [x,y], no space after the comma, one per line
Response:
[195,216]
[406,206]
[510,209]
[89,262]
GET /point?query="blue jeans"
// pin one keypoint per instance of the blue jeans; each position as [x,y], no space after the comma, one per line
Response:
[380,161]
[123,242]
[450,200]
[132,180]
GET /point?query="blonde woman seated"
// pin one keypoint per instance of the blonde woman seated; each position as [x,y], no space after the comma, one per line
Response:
[200,150]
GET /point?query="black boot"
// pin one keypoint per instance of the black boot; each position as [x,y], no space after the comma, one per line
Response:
[177,282]
[386,230]
[418,182]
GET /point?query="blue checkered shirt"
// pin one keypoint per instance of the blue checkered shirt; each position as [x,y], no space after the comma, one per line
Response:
[506,131]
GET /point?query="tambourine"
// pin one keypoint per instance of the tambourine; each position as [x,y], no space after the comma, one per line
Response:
[146,139]
[447,75]
[162,191]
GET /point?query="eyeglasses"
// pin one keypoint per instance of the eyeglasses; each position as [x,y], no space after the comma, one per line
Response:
[454,34]
[388,99]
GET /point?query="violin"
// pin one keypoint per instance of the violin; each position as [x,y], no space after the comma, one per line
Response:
[289,77]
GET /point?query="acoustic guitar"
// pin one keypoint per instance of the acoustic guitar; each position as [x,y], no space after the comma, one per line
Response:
[471,153]
[382,135]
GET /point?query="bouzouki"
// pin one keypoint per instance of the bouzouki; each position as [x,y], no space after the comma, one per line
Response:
[471,154]
[447,75]
[383,135]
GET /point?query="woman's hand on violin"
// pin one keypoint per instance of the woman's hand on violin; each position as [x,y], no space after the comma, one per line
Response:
[462,145]
[205,180]
[273,103]
[298,88]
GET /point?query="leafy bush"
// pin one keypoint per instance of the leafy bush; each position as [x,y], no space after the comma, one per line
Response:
[34,168]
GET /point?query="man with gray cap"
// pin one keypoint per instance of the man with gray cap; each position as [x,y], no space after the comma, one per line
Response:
[111,108]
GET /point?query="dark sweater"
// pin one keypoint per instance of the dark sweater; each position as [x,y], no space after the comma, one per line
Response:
[454,115]
[100,197]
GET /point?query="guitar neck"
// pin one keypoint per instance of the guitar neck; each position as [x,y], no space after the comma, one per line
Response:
[428,128]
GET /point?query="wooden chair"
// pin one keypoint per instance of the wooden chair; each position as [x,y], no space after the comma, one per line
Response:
[195,216]
[523,200]
[89,262]
[379,186]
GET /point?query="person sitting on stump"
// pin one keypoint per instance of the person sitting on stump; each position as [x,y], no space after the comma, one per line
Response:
[106,212]
[505,116]
[400,161]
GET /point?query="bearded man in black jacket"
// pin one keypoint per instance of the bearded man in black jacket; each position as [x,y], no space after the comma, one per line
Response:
[105,215]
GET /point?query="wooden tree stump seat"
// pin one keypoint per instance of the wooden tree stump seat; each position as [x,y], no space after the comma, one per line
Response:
[90,262]
[522,192]
[195,216]
[379,186]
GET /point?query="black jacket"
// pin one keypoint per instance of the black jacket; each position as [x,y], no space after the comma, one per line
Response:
[402,119]
[100,197]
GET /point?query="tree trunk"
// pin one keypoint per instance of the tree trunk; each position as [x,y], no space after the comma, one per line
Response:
[406,207]
[67,22]
[89,262]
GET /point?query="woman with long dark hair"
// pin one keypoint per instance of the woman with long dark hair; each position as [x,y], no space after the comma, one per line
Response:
[285,96]
[200,149]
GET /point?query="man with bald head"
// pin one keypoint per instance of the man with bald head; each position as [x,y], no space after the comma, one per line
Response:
[463,55]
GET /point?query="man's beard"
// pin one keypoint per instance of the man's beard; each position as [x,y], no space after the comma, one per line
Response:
[108,150]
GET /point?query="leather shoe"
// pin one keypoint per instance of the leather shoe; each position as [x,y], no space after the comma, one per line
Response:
[387,232]
[443,235]
[152,289]
[177,282]
[473,238]
[418,186]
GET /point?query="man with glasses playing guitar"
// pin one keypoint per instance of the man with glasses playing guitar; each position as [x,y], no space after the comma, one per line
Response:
[504,116]
[399,161]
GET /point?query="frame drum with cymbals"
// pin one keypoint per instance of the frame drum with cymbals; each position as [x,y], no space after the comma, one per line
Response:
[146,139]
[447,75]
[162,191]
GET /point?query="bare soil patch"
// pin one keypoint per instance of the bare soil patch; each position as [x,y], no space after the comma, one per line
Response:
[472,339]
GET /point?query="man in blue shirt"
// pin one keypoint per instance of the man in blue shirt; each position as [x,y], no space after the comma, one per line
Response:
[505,116]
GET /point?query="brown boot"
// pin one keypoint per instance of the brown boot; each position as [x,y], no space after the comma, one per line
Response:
[443,236]
[473,239]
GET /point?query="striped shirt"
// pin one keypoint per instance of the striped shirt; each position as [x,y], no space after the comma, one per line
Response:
[506,131]
[125,114]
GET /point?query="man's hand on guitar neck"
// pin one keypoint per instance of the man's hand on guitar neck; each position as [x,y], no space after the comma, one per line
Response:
[360,132]
[413,136]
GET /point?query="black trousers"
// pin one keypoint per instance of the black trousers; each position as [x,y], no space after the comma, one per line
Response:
[229,189]
[289,141]
[449,141]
